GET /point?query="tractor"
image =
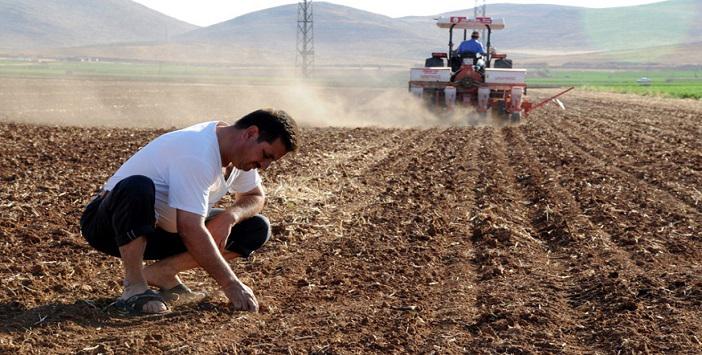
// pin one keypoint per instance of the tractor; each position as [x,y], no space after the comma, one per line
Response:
[485,82]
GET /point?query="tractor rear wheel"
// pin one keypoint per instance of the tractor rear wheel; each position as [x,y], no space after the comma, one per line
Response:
[516,117]
[501,108]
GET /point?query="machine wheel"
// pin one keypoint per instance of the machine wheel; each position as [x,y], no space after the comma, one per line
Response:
[501,108]
[516,117]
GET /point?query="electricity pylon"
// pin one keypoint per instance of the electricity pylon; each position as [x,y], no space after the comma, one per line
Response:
[305,38]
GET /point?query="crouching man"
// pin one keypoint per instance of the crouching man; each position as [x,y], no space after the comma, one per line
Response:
[159,206]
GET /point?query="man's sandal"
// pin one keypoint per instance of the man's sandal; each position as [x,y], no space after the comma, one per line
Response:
[134,306]
[181,294]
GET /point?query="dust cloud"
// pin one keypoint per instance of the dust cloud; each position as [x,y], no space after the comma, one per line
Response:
[357,107]
[148,104]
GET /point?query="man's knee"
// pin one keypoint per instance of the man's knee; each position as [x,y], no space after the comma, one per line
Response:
[249,235]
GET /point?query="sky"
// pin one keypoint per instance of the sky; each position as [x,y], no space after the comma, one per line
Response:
[209,12]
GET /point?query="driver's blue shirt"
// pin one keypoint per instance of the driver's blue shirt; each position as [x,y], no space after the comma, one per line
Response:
[472,46]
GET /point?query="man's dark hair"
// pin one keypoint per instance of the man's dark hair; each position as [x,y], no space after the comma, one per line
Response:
[475,34]
[272,124]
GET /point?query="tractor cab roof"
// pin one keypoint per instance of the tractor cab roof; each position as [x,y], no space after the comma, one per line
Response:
[465,23]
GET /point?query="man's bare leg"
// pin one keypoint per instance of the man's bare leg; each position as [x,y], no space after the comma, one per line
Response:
[132,255]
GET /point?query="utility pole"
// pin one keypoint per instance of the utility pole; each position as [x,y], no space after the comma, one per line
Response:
[479,10]
[305,38]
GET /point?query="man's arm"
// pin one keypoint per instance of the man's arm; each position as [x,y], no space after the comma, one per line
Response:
[247,204]
[203,249]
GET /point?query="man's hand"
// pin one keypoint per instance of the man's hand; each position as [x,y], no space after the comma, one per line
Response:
[197,238]
[241,297]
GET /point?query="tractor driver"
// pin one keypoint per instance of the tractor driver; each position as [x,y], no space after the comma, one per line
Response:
[472,45]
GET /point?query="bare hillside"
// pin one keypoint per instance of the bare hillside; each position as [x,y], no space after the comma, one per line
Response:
[348,36]
[26,24]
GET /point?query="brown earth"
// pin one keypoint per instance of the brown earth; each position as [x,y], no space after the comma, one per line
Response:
[575,232]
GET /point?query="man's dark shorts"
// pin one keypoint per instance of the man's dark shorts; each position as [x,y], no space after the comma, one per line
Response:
[119,216]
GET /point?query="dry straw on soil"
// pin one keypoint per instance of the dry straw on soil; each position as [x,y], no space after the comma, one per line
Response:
[574,232]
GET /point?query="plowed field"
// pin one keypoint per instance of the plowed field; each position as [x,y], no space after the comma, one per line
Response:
[576,231]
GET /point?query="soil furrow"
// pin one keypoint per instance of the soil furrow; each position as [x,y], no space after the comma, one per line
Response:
[340,230]
[659,174]
[631,212]
[657,120]
[366,240]
[573,232]
[635,203]
[333,145]
[634,127]
[640,126]
[648,149]
[592,267]
[507,255]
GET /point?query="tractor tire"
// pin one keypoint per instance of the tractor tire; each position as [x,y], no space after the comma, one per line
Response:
[516,117]
[501,108]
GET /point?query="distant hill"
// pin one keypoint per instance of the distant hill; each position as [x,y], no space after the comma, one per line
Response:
[565,28]
[340,32]
[26,24]
[348,36]
[661,56]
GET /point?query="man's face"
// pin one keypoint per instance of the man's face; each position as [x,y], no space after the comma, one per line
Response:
[259,155]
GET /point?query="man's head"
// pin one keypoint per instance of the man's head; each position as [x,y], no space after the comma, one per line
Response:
[272,124]
[475,35]
[267,136]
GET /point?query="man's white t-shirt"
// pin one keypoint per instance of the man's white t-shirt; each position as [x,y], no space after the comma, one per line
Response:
[186,168]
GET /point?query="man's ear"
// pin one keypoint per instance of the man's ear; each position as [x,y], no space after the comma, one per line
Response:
[251,132]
